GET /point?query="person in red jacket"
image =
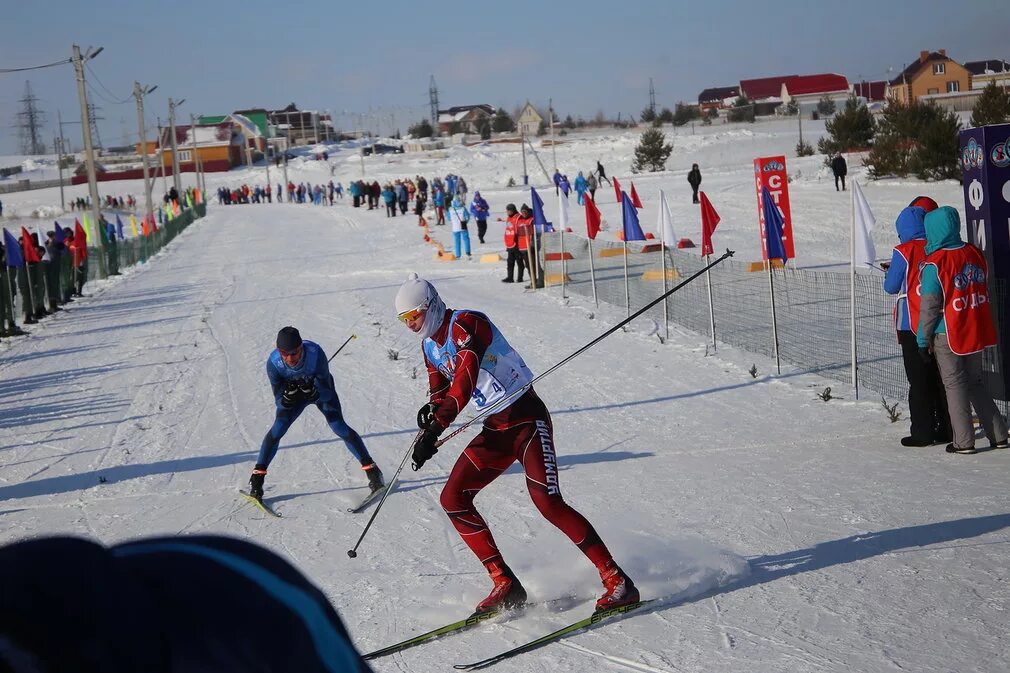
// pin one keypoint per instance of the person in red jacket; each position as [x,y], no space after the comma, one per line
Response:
[515,257]
[467,358]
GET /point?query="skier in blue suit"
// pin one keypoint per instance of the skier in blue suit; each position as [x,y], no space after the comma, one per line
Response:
[300,375]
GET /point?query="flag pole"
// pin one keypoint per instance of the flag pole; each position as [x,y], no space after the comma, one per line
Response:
[852,286]
[711,304]
[666,303]
[627,287]
[592,272]
[564,264]
[775,324]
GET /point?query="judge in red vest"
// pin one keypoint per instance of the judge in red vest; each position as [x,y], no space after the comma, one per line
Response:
[927,404]
[956,326]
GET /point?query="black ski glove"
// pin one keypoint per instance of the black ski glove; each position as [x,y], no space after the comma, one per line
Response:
[926,356]
[307,389]
[291,395]
[425,447]
[426,414]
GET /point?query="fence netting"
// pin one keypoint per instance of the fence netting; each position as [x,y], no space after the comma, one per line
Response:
[812,309]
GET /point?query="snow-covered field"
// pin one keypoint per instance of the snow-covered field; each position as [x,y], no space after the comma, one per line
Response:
[782,533]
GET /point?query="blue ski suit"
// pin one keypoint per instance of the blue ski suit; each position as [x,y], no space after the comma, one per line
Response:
[313,367]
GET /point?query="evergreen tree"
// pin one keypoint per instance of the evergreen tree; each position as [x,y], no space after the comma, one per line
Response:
[542,128]
[992,107]
[568,123]
[851,129]
[648,114]
[502,122]
[915,138]
[421,129]
[682,114]
[825,106]
[485,129]
[742,110]
[665,116]
[790,109]
[652,151]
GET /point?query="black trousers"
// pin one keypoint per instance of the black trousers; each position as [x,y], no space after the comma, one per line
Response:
[481,229]
[837,178]
[516,258]
[694,194]
[927,401]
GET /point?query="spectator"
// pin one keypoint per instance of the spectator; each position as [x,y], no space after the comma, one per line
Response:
[591,185]
[527,246]
[581,185]
[401,196]
[602,174]
[419,204]
[389,198]
[839,169]
[927,404]
[956,326]
[438,200]
[480,211]
[557,181]
[458,217]
[514,257]
[694,179]
[171,604]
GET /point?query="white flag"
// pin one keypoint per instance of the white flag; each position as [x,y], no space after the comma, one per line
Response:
[664,226]
[863,252]
[562,212]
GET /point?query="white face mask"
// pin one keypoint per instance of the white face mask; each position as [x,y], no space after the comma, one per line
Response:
[432,317]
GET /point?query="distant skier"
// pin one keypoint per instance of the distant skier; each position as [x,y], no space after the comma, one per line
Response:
[468,358]
[300,376]
[601,173]
[694,179]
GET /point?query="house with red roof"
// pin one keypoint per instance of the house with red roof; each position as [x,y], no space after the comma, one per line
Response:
[807,90]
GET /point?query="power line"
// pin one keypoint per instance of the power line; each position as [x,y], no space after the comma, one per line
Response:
[35,67]
[117,100]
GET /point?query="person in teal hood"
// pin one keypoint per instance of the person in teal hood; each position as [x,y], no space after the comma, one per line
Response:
[956,326]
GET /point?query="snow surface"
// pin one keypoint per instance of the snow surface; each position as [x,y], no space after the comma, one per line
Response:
[783,533]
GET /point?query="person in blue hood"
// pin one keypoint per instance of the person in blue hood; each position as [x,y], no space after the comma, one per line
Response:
[927,403]
[955,328]
[480,210]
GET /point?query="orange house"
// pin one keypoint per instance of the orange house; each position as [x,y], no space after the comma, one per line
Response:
[933,73]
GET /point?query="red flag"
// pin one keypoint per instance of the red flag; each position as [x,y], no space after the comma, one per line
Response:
[154,224]
[593,218]
[145,227]
[28,247]
[635,201]
[617,190]
[709,221]
[80,239]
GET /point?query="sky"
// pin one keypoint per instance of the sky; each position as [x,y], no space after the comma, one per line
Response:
[371,67]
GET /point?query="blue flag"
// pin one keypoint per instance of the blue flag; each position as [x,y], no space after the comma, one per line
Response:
[540,223]
[632,229]
[774,224]
[58,233]
[119,228]
[14,257]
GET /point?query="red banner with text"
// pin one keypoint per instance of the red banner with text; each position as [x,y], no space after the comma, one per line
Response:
[770,172]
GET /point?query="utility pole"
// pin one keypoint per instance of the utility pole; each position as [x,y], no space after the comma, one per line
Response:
[175,148]
[433,103]
[198,165]
[138,93]
[59,157]
[652,98]
[161,160]
[89,150]
[93,120]
[554,152]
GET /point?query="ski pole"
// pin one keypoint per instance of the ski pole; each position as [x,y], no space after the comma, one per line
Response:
[353,553]
[353,336]
[498,405]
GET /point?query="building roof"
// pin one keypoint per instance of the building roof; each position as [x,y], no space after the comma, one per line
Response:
[985,67]
[764,87]
[815,84]
[718,94]
[871,91]
[206,134]
[456,109]
[913,69]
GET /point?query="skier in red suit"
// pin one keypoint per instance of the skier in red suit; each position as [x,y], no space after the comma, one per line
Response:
[468,359]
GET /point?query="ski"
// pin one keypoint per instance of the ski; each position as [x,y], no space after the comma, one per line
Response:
[369,499]
[595,618]
[259,503]
[462,625]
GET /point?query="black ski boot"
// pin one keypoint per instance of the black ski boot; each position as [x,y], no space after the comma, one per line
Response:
[256,482]
[375,481]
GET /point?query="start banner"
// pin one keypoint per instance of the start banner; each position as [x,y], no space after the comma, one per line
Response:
[770,172]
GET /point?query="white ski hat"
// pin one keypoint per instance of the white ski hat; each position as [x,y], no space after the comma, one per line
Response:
[419,293]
